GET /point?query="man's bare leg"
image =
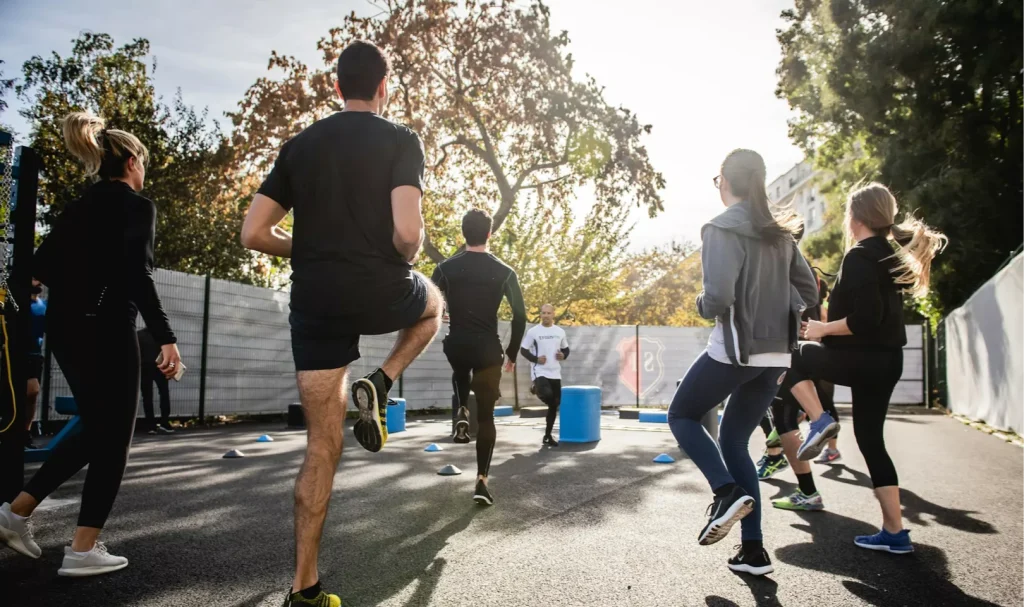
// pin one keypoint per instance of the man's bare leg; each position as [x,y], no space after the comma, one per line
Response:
[806,394]
[323,402]
[413,341]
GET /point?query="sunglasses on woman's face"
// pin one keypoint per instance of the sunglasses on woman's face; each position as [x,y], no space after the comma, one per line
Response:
[717,180]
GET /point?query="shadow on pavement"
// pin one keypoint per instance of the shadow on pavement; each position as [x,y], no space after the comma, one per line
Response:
[915,508]
[882,579]
[190,521]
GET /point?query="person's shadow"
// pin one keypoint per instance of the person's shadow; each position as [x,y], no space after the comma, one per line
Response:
[881,579]
[765,591]
[915,508]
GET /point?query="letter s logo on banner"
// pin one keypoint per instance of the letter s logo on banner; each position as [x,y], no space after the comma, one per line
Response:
[651,370]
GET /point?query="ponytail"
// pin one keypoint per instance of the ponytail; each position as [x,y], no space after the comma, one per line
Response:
[916,247]
[103,152]
[746,173]
[916,244]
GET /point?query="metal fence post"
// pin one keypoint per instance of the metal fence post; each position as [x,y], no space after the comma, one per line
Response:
[638,366]
[202,361]
[925,340]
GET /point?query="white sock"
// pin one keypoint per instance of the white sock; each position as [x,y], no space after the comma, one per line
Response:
[17,517]
[81,554]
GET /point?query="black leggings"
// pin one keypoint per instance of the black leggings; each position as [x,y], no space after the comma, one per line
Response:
[785,408]
[106,391]
[549,391]
[150,376]
[476,366]
[872,376]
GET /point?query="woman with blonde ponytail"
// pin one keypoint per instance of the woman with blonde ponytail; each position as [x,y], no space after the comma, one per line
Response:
[98,264]
[862,344]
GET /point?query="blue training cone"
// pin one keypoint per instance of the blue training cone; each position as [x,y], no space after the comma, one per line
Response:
[265,439]
[433,448]
[664,458]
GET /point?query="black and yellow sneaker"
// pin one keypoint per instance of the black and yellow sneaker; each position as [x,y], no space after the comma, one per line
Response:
[370,394]
[295,599]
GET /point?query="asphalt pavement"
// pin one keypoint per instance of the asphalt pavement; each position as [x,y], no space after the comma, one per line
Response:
[596,524]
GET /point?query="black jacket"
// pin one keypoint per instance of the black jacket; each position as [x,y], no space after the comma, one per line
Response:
[98,260]
[867,296]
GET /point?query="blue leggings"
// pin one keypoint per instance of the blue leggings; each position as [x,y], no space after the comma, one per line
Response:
[750,391]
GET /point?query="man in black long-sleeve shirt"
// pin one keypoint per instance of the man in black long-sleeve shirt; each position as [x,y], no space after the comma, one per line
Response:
[474,282]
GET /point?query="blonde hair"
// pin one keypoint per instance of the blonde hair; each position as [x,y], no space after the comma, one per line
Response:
[916,244]
[102,151]
[746,173]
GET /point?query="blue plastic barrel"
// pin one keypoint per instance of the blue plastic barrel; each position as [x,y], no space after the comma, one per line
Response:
[580,414]
[396,415]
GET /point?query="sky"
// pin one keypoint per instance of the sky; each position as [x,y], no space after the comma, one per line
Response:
[702,73]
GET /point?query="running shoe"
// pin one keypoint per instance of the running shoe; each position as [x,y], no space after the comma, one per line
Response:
[773,441]
[829,456]
[161,429]
[770,465]
[371,397]
[798,500]
[16,532]
[462,426]
[295,599]
[754,562]
[95,562]
[723,513]
[482,496]
[896,543]
[550,441]
[821,430]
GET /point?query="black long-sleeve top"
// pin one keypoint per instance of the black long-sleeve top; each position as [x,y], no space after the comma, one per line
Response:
[90,271]
[473,285]
[867,296]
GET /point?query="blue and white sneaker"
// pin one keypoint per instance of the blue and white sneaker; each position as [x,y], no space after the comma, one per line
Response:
[896,543]
[821,430]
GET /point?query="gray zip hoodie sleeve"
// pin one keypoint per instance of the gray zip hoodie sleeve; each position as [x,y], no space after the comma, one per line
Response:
[721,259]
[801,277]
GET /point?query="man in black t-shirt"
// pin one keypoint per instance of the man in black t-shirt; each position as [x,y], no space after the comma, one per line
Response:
[353,182]
[474,282]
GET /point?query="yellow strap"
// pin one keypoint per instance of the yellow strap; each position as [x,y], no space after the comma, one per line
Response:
[7,361]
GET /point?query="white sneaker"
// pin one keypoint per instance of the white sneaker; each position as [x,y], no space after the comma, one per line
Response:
[95,562]
[16,532]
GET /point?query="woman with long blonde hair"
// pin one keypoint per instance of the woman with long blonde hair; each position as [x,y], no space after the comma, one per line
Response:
[98,264]
[862,344]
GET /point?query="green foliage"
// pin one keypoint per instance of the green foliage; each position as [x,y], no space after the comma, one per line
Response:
[926,94]
[199,214]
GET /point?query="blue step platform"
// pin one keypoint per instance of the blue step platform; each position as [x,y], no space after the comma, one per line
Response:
[503,411]
[654,417]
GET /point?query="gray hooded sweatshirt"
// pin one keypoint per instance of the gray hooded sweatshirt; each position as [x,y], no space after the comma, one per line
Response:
[754,289]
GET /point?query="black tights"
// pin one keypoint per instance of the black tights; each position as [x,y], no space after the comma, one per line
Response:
[106,391]
[872,376]
[474,368]
[549,391]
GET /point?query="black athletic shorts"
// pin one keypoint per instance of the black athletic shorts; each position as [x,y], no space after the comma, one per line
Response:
[332,342]
[35,366]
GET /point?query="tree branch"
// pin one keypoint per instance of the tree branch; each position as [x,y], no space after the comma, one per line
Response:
[544,166]
[431,250]
[544,183]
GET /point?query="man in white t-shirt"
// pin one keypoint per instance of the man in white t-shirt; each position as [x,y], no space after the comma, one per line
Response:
[545,346]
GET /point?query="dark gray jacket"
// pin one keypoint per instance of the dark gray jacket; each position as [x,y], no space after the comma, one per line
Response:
[754,289]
